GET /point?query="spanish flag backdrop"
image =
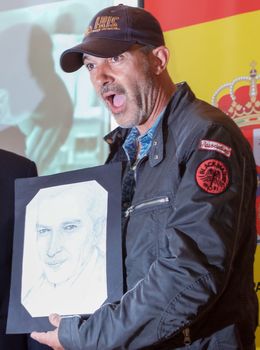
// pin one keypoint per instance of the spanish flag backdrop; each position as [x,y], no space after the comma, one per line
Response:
[215,48]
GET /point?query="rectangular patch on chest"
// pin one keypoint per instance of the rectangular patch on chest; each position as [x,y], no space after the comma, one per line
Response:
[210,145]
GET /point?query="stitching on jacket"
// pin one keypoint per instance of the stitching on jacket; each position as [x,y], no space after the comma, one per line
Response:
[161,328]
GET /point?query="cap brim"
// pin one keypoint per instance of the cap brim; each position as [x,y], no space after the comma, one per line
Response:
[71,59]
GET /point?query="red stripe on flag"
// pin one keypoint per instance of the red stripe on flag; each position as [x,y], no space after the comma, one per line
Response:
[174,14]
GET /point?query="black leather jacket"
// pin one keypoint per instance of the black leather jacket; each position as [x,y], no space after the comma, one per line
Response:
[190,239]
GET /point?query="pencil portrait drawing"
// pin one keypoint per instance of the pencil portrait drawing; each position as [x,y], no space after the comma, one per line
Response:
[64,256]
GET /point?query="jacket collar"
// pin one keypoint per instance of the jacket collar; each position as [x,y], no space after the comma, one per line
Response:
[117,136]
[156,154]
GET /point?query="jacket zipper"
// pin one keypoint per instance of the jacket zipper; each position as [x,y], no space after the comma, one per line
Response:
[137,165]
[187,339]
[146,204]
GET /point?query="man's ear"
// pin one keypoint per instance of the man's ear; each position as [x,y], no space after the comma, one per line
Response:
[161,57]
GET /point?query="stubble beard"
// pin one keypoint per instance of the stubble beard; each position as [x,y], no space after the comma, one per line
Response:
[141,104]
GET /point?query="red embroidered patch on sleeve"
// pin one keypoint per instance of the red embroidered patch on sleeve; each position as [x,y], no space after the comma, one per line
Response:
[210,145]
[212,176]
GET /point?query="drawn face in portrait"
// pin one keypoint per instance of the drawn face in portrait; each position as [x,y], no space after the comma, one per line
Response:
[65,250]
[64,234]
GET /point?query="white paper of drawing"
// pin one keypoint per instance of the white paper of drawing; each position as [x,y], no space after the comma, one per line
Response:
[64,256]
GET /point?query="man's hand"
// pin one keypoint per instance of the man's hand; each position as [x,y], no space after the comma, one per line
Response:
[49,338]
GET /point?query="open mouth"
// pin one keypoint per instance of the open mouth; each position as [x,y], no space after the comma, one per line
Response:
[116,102]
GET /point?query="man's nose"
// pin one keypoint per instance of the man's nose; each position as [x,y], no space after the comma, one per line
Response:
[55,244]
[103,75]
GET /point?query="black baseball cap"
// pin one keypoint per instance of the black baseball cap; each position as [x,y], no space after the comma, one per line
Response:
[111,32]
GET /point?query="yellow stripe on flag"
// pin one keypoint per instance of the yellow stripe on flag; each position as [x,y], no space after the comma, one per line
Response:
[208,55]
[257,281]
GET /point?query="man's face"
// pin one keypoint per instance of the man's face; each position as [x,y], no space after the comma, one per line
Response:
[126,83]
[63,235]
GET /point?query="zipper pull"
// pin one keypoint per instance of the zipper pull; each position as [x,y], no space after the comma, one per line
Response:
[133,167]
[129,211]
[186,333]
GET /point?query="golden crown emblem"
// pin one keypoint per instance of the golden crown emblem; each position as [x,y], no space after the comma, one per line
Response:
[242,98]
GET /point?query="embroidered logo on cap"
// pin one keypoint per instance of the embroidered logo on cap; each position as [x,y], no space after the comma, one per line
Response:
[210,145]
[103,23]
[212,176]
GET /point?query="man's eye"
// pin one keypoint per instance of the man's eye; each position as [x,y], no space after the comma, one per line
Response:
[89,66]
[116,59]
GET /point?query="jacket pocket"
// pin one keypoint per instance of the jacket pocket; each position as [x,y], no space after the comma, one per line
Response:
[146,221]
[150,204]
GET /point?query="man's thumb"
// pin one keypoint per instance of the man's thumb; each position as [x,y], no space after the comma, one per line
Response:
[55,319]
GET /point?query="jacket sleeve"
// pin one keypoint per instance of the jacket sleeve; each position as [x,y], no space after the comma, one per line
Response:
[198,246]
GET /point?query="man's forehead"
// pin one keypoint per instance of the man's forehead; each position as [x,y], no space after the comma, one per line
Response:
[134,47]
[86,56]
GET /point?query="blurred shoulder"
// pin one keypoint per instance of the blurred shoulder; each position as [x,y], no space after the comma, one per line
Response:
[10,161]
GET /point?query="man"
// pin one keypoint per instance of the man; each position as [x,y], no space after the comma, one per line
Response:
[70,250]
[188,200]
[12,167]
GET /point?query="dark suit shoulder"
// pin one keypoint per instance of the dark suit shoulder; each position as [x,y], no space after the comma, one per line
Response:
[17,165]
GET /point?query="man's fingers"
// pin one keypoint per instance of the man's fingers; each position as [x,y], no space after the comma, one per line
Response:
[55,320]
[41,337]
[48,338]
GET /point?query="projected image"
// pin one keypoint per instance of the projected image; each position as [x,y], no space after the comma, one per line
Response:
[51,117]
[65,250]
